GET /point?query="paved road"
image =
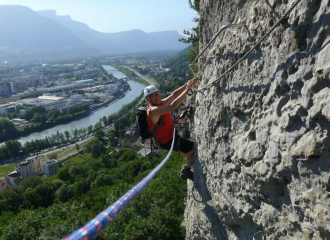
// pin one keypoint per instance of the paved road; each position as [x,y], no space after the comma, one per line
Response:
[46,152]
[141,76]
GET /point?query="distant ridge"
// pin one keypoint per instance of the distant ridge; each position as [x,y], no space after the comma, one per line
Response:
[22,27]
[127,41]
[26,34]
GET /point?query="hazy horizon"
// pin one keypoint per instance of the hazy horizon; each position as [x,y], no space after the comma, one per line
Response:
[117,16]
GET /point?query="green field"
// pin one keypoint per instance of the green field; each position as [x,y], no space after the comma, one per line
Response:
[4,170]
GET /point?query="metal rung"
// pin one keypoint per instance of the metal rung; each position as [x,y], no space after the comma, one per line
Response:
[238,25]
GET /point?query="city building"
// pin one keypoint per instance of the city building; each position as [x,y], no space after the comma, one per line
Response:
[144,152]
[51,167]
[94,89]
[4,89]
[14,179]
[90,100]
[21,112]
[25,169]
[11,86]
[31,167]
[57,94]
[131,142]
[8,107]
[50,97]
[88,73]
[4,186]
[38,162]
[60,88]
[49,104]
[113,89]
[83,82]
[21,83]
[19,122]
[77,97]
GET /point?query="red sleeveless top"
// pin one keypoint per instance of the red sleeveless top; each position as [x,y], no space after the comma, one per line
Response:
[164,132]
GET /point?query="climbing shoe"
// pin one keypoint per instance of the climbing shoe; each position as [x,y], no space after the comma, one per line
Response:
[186,173]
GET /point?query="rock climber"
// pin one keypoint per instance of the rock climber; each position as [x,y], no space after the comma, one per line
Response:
[158,107]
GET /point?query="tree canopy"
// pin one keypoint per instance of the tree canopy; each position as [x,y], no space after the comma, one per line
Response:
[53,207]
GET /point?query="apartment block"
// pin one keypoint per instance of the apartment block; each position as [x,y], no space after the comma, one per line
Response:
[24,169]
[31,167]
[51,167]
[8,107]
[4,89]
[14,179]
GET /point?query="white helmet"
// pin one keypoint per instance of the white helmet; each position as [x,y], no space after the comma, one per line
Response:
[150,90]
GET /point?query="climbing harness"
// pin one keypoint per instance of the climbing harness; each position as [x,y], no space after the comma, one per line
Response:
[96,225]
[160,123]
[294,4]
[187,110]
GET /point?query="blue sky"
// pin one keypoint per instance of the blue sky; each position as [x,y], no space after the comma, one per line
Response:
[120,15]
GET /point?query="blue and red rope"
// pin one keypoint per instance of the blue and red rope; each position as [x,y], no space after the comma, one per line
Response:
[96,225]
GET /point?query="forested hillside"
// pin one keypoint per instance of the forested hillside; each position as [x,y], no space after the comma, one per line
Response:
[179,72]
[53,207]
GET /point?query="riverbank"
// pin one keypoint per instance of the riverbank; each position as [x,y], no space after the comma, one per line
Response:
[94,117]
[71,119]
[46,126]
[113,100]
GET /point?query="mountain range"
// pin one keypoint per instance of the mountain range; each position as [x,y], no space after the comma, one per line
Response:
[43,34]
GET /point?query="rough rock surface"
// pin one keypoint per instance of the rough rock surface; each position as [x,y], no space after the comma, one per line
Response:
[262,132]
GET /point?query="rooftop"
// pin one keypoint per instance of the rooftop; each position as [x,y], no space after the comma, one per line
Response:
[24,163]
[8,104]
[50,98]
[83,81]
[15,176]
[144,151]
[38,101]
[50,161]
[4,186]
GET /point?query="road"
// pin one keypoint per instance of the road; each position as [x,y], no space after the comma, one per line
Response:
[141,76]
[46,152]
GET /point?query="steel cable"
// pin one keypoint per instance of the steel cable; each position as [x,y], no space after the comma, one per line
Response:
[254,47]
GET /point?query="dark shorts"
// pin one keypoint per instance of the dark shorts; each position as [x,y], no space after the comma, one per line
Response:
[180,144]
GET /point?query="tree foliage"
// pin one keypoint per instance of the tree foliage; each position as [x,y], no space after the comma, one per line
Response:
[96,147]
[52,208]
[13,147]
[78,109]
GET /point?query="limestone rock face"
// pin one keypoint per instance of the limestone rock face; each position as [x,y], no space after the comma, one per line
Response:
[262,131]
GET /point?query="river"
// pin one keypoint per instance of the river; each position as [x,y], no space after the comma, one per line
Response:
[94,117]
[111,70]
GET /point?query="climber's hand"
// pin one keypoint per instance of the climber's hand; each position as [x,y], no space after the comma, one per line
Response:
[190,83]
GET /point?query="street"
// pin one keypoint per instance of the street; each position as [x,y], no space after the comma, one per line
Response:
[140,75]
